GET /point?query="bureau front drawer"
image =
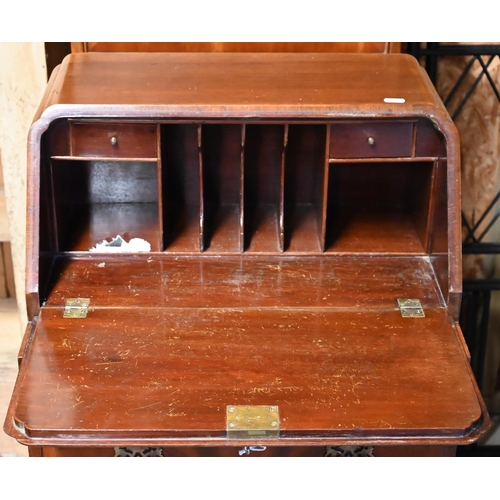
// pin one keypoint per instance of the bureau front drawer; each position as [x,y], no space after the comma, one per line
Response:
[113,140]
[371,140]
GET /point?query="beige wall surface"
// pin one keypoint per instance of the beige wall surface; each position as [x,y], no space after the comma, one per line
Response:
[23,78]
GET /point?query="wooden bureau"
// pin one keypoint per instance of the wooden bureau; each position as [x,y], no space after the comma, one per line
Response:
[303,279]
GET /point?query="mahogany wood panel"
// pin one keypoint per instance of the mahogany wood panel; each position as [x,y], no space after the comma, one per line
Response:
[27,338]
[439,237]
[263,171]
[302,232]
[429,141]
[371,140]
[379,207]
[90,224]
[158,375]
[353,231]
[113,140]
[36,451]
[300,85]
[57,140]
[244,282]
[52,451]
[304,175]
[353,47]
[181,187]
[105,181]
[262,230]
[97,200]
[222,173]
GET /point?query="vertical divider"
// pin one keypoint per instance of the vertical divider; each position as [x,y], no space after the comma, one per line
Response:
[202,191]
[160,188]
[434,194]
[282,192]
[414,140]
[324,201]
[53,215]
[242,189]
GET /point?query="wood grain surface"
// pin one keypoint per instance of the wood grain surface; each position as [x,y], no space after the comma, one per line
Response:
[304,85]
[167,375]
[243,282]
[350,47]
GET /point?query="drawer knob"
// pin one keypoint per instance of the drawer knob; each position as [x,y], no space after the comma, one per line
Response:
[113,141]
[371,141]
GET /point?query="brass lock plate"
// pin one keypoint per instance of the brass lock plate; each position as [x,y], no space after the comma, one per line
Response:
[259,421]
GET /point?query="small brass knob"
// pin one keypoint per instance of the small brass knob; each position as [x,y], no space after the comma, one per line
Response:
[113,141]
[371,141]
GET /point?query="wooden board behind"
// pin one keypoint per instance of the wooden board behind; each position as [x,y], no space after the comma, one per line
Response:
[352,47]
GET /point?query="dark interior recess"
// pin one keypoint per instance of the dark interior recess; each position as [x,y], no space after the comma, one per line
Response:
[263,201]
[98,200]
[222,147]
[243,188]
[304,178]
[379,207]
[181,187]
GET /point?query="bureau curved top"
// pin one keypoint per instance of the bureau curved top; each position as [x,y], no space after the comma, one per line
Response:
[262,85]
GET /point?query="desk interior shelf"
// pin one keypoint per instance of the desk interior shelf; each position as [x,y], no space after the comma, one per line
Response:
[245,187]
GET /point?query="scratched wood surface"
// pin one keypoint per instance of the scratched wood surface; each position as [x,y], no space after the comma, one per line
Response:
[169,374]
[158,280]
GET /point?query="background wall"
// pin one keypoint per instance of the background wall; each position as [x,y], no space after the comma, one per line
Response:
[479,126]
[23,78]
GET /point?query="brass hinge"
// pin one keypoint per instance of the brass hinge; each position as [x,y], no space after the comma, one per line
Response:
[411,308]
[76,308]
[245,422]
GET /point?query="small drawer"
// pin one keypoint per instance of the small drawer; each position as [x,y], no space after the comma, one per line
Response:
[113,140]
[371,140]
